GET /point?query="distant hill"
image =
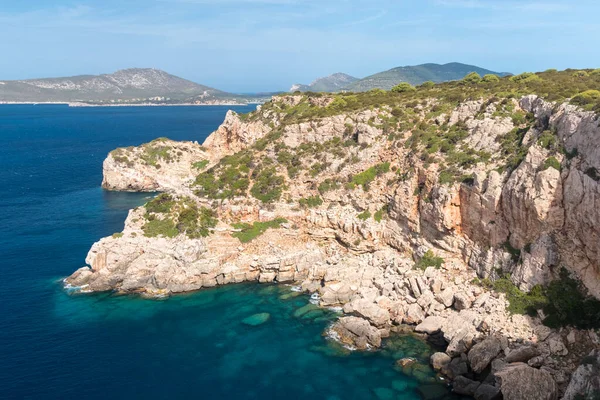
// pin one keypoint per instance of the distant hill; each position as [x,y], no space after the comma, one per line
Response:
[417,74]
[331,83]
[134,85]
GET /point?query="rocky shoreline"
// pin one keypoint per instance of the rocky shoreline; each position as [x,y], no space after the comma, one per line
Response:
[373,266]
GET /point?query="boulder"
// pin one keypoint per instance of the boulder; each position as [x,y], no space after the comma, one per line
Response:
[430,325]
[371,311]
[440,361]
[446,297]
[522,354]
[586,378]
[414,314]
[519,381]
[464,386]
[483,353]
[487,392]
[457,367]
[357,332]
[462,301]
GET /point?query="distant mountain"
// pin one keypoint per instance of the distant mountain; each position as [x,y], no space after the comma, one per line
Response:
[129,86]
[417,74]
[331,83]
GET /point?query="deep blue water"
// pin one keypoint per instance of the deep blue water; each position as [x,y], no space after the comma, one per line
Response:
[55,345]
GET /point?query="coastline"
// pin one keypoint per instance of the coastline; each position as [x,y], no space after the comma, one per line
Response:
[78,104]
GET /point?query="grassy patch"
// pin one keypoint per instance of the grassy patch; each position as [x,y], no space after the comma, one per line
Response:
[250,232]
[160,227]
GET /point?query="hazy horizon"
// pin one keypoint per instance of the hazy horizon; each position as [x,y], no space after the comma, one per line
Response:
[246,46]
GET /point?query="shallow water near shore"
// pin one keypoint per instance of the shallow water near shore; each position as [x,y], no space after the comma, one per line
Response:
[216,343]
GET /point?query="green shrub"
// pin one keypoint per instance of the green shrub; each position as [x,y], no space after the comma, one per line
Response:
[519,301]
[366,177]
[427,85]
[160,204]
[511,145]
[365,215]
[194,222]
[403,87]
[490,78]
[378,216]
[580,74]
[117,235]
[153,152]
[267,185]
[249,232]
[227,179]
[200,164]
[429,260]
[311,202]
[160,227]
[472,78]
[551,162]
[548,140]
[568,305]
[525,77]
[446,178]
[515,253]
[328,185]
[587,99]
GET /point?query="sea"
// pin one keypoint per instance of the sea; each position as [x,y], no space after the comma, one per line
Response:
[56,344]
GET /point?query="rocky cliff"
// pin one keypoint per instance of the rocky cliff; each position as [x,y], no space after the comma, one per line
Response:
[463,218]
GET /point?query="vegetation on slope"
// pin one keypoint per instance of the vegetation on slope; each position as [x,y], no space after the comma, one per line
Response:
[249,232]
[169,217]
[564,301]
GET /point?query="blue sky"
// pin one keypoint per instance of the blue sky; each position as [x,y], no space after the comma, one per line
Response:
[266,45]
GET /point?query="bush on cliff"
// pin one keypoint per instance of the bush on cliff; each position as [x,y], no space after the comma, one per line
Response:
[429,260]
[267,185]
[310,202]
[364,178]
[569,305]
[249,232]
[160,204]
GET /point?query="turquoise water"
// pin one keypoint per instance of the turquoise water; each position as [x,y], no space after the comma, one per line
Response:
[57,345]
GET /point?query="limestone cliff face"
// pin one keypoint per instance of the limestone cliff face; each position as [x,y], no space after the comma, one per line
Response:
[551,216]
[365,194]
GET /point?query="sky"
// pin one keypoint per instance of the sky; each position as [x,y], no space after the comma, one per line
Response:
[267,45]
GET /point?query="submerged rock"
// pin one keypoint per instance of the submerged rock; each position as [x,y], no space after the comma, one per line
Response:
[257,319]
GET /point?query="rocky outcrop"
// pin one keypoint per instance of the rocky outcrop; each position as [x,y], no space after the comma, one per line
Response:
[233,135]
[373,245]
[585,383]
[161,165]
